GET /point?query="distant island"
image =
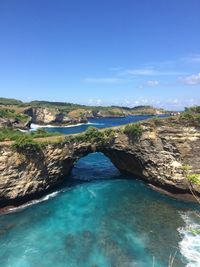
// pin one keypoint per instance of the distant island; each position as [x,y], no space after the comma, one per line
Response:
[17,114]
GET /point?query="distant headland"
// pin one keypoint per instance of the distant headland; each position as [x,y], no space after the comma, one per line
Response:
[17,114]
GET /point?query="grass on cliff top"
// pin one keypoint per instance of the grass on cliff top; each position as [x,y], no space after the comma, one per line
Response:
[9,101]
[194,178]
[191,115]
[93,135]
[133,131]
[9,134]
[68,107]
[11,114]
[27,143]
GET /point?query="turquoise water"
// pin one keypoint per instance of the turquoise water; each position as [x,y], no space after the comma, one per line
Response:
[100,219]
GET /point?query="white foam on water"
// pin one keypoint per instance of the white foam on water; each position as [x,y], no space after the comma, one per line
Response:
[93,194]
[36,126]
[190,243]
[33,202]
[96,123]
[23,131]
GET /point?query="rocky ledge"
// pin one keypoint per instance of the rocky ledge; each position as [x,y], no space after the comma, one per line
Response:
[158,155]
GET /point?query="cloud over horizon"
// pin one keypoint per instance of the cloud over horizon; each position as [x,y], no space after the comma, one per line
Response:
[104,80]
[194,58]
[150,72]
[193,79]
[152,83]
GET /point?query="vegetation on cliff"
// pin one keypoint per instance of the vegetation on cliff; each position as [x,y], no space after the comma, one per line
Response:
[9,134]
[60,112]
[133,131]
[104,110]
[193,178]
[11,114]
[26,144]
[93,135]
[191,115]
[10,101]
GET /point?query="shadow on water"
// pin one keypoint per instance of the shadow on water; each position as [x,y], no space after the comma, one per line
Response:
[96,167]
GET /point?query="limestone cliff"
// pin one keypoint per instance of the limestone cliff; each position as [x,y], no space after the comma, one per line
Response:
[157,156]
[9,118]
[53,116]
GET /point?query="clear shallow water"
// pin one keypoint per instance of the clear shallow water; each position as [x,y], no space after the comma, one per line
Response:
[112,221]
[100,218]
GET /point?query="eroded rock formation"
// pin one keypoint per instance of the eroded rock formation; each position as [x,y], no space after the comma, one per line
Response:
[53,116]
[157,157]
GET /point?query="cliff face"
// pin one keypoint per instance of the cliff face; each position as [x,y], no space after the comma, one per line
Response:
[46,115]
[15,123]
[52,116]
[158,157]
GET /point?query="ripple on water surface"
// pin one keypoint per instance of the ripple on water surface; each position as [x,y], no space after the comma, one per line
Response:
[101,223]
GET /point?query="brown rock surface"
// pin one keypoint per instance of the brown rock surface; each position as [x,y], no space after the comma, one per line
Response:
[157,157]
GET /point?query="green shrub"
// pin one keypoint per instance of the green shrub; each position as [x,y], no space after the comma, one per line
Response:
[195,109]
[191,115]
[43,133]
[194,178]
[26,144]
[109,133]
[92,134]
[8,134]
[187,116]
[12,115]
[133,131]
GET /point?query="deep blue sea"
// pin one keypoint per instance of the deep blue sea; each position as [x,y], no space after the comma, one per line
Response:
[98,123]
[100,218]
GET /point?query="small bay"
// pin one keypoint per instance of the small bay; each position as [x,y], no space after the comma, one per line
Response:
[100,218]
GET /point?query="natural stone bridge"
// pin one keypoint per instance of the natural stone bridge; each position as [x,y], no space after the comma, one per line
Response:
[157,157]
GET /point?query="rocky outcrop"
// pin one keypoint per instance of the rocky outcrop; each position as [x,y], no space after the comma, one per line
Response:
[56,116]
[52,116]
[15,123]
[157,156]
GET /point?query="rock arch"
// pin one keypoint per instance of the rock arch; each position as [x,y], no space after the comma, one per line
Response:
[157,157]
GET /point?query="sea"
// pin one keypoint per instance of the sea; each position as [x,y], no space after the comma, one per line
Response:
[101,218]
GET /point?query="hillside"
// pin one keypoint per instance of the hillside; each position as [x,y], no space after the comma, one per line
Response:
[18,114]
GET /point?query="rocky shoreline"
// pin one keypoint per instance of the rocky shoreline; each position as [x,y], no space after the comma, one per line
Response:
[20,115]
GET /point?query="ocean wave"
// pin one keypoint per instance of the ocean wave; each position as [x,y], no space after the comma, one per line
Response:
[23,131]
[190,243]
[36,126]
[32,202]
[93,194]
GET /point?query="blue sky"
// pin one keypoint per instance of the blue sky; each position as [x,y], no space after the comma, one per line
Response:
[122,52]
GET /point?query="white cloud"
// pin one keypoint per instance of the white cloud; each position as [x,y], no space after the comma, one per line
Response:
[149,72]
[152,83]
[95,102]
[195,58]
[139,72]
[103,80]
[192,79]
